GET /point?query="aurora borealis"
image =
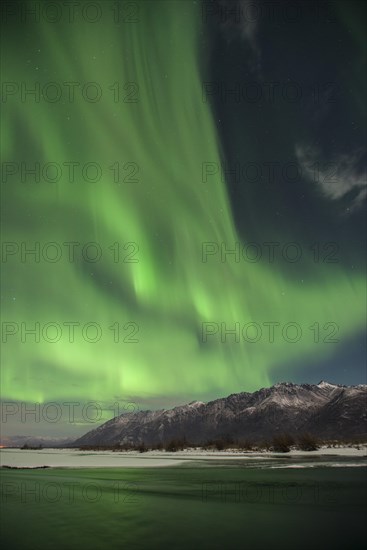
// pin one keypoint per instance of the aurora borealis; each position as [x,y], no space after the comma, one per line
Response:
[145,126]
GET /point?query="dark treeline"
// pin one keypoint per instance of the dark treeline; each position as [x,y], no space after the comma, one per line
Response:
[280,443]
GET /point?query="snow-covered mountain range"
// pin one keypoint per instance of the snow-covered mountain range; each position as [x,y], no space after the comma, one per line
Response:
[324,410]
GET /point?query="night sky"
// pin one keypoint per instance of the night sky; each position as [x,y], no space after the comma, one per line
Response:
[202,130]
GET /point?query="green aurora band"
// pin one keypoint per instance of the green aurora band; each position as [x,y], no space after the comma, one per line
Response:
[169,212]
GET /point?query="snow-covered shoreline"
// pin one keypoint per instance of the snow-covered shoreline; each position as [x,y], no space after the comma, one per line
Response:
[75,458]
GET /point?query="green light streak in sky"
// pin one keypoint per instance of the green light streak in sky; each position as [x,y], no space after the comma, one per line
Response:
[169,213]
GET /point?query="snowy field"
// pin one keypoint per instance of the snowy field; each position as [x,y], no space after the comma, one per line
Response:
[74,458]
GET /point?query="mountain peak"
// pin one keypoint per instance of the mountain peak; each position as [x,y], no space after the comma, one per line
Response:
[324,384]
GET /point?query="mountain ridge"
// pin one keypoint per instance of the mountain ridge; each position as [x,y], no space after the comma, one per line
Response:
[325,410]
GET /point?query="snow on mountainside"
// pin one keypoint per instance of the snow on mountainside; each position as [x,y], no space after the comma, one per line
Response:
[325,410]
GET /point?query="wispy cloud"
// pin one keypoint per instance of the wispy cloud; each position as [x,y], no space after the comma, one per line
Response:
[240,16]
[336,177]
